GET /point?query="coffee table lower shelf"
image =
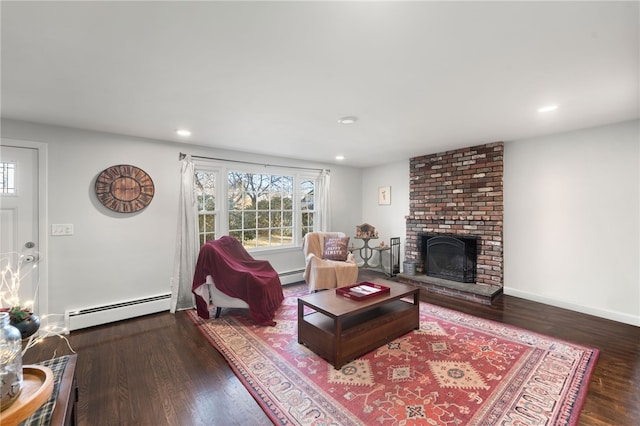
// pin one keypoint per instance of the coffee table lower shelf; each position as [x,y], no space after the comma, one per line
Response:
[340,338]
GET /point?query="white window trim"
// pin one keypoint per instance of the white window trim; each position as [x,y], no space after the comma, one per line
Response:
[221,171]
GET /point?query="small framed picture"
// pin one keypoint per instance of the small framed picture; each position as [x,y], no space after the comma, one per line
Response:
[384,195]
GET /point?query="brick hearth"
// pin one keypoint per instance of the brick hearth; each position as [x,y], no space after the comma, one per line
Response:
[459,192]
[479,293]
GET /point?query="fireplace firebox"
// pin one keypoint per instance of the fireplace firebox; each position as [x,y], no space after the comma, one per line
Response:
[450,257]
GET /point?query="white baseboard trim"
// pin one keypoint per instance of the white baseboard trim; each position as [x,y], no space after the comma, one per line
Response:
[589,310]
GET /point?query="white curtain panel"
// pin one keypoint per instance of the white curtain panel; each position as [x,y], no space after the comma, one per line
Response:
[324,205]
[187,245]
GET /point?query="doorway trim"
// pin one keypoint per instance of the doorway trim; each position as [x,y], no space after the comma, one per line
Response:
[43,220]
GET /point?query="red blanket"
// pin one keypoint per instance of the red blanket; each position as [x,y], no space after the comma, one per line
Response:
[238,275]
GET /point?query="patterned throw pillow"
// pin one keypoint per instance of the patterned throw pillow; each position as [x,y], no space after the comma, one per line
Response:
[336,248]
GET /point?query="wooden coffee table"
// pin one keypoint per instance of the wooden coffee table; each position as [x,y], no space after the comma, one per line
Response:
[340,329]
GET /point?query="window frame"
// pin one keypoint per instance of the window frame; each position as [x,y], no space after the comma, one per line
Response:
[207,167]
[9,184]
[221,211]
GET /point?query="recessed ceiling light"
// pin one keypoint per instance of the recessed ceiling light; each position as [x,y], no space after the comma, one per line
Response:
[339,157]
[348,120]
[548,108]
[183,132]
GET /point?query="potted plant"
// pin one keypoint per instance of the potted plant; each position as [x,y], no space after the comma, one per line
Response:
[23,319]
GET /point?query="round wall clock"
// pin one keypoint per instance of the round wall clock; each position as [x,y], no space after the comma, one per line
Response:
[124,188]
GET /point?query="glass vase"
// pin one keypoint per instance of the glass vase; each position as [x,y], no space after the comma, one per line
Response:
[10,362]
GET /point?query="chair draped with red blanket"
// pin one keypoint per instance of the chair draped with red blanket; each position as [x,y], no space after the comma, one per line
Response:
[237,274]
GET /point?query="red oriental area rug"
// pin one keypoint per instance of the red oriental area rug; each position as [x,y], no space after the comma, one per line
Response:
[455,370]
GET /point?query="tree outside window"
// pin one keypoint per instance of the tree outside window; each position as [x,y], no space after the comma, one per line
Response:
[262,210]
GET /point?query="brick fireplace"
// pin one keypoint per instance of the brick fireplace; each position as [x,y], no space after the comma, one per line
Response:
[459,193]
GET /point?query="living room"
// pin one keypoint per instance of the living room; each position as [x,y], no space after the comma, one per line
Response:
[553,222]
[571,196]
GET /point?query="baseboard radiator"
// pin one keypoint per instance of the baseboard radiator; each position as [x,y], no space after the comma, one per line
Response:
[89,317]
[291,277]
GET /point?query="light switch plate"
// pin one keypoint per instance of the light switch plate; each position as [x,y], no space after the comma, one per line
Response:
[61,229]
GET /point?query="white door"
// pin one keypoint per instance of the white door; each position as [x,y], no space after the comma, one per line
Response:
[19,219]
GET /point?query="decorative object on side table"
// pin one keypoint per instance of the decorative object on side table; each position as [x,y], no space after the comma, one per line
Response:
[24,320]
[20,314]
[10,362]
[36,390]
[23,389]
[60,407]
[366,232]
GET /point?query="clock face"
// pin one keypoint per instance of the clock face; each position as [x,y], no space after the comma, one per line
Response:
[124,188]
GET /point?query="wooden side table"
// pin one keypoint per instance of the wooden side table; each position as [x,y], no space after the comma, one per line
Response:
[66,410]
[61,408]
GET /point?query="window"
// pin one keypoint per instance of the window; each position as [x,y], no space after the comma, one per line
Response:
[307,205]
[262,210]
[7,178]
[205,189]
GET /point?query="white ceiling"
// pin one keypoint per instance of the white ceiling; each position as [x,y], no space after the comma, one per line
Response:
[274,77]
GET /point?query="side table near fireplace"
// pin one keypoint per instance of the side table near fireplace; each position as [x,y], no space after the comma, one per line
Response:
[365,252]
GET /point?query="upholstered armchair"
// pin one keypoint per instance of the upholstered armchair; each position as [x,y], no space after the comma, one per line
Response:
[328,261]
[229,277]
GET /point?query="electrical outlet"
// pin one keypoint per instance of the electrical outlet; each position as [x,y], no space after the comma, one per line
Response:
[61,229]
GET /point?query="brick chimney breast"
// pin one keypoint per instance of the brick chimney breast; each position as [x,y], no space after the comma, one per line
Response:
[460,193]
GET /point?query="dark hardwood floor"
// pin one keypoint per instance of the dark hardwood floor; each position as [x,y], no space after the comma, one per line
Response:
[159,369]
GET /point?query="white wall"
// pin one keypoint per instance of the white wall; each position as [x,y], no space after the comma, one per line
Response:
[565,195]
[389,220]
[115,257]
[571,225]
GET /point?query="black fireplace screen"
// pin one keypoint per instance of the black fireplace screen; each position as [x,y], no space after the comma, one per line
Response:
[450,257]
